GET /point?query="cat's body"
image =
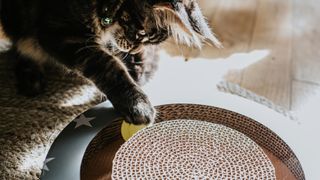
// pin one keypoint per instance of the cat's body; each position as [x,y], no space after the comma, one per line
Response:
[108,41]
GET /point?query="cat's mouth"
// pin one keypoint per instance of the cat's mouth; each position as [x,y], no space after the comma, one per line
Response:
[122,45]
[136,49]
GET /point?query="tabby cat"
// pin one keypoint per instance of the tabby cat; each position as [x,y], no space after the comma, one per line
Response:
[108,41]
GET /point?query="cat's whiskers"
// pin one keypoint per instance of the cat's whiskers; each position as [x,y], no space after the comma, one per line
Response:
[87,47]
[91,38]
[125,56]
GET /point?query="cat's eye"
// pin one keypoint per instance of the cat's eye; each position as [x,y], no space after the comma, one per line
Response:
[106,21]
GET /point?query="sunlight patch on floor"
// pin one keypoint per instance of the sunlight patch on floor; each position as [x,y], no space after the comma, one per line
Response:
[216,69]
[308,110]
[181,79]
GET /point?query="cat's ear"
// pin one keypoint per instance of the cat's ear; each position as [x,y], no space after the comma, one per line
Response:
[200,25]
[188,25]
[170,15]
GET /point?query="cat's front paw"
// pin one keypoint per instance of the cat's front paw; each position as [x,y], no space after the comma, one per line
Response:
[135,107]
[142,112]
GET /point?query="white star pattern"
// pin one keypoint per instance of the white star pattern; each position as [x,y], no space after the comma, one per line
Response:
[83,121]
[45,167]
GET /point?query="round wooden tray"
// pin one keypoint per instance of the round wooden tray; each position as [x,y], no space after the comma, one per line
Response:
[92,147]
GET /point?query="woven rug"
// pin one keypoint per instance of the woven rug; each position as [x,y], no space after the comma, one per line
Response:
[28,126]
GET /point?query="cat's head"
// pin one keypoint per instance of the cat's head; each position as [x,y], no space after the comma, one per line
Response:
[125,25]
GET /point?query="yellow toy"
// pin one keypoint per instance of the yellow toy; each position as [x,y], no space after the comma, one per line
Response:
[128,130]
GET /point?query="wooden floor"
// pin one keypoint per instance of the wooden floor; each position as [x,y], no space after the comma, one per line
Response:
[287,29]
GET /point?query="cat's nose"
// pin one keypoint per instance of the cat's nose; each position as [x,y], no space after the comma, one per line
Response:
[141,35]
[142,32]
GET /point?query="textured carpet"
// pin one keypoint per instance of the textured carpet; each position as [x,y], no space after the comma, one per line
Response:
[28,126]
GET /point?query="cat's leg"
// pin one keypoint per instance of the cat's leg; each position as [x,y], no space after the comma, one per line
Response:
[30,67]
[136,66]
[111,76]
[143,65]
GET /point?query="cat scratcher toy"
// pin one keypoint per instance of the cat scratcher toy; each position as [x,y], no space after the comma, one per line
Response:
[229,144]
